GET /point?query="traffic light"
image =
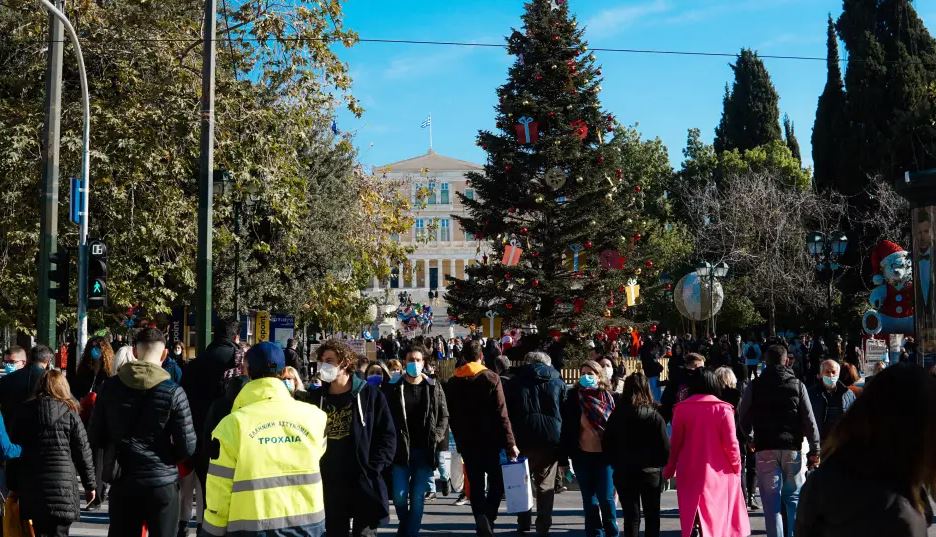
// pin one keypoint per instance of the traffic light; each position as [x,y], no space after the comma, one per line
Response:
[58,276]
[97,274]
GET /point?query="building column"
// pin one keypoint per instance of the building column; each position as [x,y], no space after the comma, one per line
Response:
[426,274]
[413,264]
[376,284]
[401,282]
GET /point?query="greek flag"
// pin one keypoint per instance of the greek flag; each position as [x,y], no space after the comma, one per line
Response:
[427,123]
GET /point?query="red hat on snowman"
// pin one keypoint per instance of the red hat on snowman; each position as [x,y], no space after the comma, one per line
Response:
[882,251]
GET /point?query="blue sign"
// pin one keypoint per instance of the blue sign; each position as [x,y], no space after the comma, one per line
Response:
[75,200]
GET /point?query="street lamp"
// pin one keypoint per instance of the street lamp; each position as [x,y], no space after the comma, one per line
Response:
[712,272]
[827,250]
[222,178]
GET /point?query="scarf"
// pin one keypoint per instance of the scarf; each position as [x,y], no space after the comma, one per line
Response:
[597,406]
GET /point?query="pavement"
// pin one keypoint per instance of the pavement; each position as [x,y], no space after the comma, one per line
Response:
[443,517]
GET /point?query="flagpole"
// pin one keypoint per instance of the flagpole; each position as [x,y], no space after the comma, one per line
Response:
[430,132]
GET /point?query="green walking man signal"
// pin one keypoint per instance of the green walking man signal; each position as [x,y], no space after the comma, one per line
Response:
[97,274]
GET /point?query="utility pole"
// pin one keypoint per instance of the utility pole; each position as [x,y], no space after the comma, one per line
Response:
[203,307]
[48,207]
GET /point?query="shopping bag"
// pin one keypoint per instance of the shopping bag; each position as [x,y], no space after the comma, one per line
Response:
[13,525]
[518,488]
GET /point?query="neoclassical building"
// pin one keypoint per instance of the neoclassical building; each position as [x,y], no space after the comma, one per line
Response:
[442,247]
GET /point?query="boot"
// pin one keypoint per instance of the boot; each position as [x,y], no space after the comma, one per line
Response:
[183,529]
[446,487]
[752,504]
[484,526]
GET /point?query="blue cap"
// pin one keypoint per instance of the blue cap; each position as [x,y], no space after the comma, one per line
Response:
[266,357]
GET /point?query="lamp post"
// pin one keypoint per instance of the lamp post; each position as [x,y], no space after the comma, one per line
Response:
[712,272]
[826,250]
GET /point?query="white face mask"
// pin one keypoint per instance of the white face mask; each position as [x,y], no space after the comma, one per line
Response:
[609,372]
[328,372]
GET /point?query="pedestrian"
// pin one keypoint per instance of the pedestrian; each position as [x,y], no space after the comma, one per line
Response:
[638,448]
[143,421]
[849,377]
[729,393]
[830,399]
[293,382]
[534,398]
[777,408]
[850,496]
[14,358]
[55,450]
[615,383]
[395,367]
[361,443]
[652,368]
[96,366]
[706,461]
[584,419]
[292,355]
[421,416]
[204,382]
[172,367]
[677,387]
[752,356]
[122,356]
[479,420]
[21,384]
[264,470]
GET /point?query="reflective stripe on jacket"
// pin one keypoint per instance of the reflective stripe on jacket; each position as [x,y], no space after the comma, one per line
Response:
[264,476]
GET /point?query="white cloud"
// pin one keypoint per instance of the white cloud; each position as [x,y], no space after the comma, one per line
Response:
[419,65]
[611,21]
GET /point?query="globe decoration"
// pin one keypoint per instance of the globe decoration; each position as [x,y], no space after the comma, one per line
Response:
[696,298]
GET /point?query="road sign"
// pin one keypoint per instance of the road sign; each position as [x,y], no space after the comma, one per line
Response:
[75,208]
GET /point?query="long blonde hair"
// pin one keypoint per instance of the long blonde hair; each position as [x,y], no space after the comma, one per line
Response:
[53,384]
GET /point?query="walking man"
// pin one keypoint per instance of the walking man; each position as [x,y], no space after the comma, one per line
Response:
[478,416]
[534,400]
[776,406]
[830,398]
[264,477]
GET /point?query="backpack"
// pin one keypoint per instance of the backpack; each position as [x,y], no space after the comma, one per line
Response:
[750,353]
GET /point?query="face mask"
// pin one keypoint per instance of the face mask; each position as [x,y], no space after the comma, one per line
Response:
[95,353]
[9,368]
[178,352]
[395,377]
[829,381]
[374,380]
[609,372]
[317,383]
[589,380]
[413,369]
[328,372]
[290,385]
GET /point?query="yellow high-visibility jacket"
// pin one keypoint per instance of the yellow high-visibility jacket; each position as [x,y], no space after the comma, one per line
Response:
[264,473]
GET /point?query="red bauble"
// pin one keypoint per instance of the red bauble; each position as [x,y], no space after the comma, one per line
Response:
[555,38]
[653,328]
[588,245]
[622,289]
[524,230]
[648,263]
[558,301]
[555,334]
[507,276]
[534,253]
[538,77]
[535,282]
[668,287]
[637,188]
[610,118]
[637,237]
[600,159]
[619,172]
[611,303]
[573,325]
[512,210]
[508,306]
[508,167]
[551,114]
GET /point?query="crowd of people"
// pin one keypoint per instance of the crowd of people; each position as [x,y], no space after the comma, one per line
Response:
[263,440]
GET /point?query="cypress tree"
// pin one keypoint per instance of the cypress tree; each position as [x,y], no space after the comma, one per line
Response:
[829,117]
[790,137]
[889,91]
[751,115]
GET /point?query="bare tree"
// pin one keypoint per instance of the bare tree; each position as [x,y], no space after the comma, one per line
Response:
[759,226]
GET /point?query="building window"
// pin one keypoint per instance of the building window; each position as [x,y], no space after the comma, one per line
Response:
[469,236]
[431,197]
[420,228]
[444,194]
[444,235]
[469,193]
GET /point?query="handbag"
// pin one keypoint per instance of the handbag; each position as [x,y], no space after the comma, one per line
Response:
[86,404]
[13,525]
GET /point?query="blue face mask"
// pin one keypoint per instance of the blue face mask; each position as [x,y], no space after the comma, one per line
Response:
[96,353]
[413,369]
[374,380]
[9,368]
[289,385]
[589,380]
[829,381]
[395,377]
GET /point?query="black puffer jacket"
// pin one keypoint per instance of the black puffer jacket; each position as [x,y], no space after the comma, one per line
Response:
[55,449]
[147,417]
[635,438]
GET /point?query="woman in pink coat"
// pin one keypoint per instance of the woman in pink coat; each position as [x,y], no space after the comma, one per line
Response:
[706,462]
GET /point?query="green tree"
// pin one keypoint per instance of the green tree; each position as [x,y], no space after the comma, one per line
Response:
[888,124]
[601,189]
[829,126]
[790,137]
[751,116]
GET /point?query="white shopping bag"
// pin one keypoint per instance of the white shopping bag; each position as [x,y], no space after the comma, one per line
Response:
[518,488]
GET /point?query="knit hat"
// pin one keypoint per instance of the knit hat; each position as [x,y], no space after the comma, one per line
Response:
[265,357]
[880,252]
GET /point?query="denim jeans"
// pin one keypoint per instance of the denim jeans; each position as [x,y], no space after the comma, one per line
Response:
[655,388]
[780,477]
[411,482]
[595,481]
[443,473]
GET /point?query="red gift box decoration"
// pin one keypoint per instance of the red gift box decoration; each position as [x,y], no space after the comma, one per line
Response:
[580,128]
[512,254]
[612,260]
[527,130]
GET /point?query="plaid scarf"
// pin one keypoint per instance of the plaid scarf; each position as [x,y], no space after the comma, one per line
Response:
[597,406]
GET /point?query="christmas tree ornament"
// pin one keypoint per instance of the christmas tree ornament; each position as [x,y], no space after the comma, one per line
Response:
[538,77]
[609,197]
[637,188]
[512,210]
[509,306]
[557,301]
[569,107]
[579,179]
[612,260]
[607,314]
[596,89]
[555,178]
[534,253]
[600,159]
[577,264]
[638,271]
[512,254]
[598,71]
[527,130]
[535,282]
[619,173]
[592,58]
[554,66]
[637,237]
[554,5]
[578,305]
[551,114]
[507,276]
[580,129]
[588,245]
[539,199]
[526,102]
[524,230]
[508,166]
[648,263]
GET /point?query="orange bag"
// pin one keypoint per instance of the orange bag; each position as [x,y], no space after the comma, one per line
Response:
[13,525]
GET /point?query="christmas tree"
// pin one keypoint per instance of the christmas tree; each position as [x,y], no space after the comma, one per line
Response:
[567,199]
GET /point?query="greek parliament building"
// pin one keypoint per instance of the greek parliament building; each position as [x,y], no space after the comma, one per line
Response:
[442,247]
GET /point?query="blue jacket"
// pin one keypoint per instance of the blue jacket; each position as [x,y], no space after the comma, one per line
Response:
[175,372]
[8,450]
[534,395]
[375,446]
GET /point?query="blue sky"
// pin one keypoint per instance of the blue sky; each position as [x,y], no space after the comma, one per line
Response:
[399,85]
